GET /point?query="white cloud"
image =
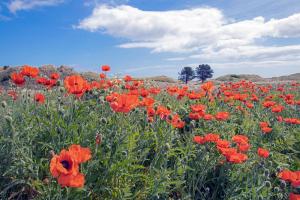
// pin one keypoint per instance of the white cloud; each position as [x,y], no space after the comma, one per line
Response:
[17,5]
[206,34]
[174,31]
[184,30]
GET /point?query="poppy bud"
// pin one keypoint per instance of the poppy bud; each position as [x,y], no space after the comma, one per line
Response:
[46,181]
[8,119]
[278,169]
[276,189]
[3,104]
[270,163]
[124,153]
[207,190]
[168,107]
[267,184]
[267,172]
[98,138]
[282,184]
[193,124]
[61,89]
[52,153]
[168,146]
[58,83]
[103,120]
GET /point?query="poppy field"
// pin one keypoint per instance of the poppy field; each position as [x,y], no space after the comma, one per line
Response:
[121,138]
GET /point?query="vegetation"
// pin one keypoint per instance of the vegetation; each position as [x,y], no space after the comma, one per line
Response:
[129,139]
[204,72]
[187,74]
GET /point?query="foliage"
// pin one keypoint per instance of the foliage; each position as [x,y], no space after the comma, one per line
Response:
[204,72]
[140,153]
[187,74]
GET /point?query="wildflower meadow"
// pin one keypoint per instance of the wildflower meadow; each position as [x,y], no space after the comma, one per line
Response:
[121,138]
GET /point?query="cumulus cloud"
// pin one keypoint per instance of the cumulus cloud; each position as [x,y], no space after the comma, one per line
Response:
[17,5]
[174,31]
[198,29]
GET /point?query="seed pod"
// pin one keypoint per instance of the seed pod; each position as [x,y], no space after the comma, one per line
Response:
[282,184]
[52,153]
[207,190]
[98,138]
[61,89]
[267,184]
[168,146]
[8,119]
[3,104]
[168,107]
[124,153]
[278,169]
[103,120]
[276,189]
[267,172]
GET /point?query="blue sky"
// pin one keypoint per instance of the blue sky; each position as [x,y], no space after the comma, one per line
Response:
[157,37]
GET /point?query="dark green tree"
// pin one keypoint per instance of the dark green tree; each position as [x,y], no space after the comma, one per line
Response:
[204,72]
[187,74]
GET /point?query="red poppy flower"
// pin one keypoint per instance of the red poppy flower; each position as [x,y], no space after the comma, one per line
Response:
[208,117]
[177,122]
[54,76]
[30,71]
[75,84]
[102,76]
[125,103]
[40,98]
[222,116]
[240,139]
[294,196]
[208,86]
[199,139]
[198,108]
[17,79]
[65,166]
[263,124]
[150,112]
[277,108]
[266,130]
[268,104]
[127,78]
[287,175]
[243,147]
[212,137]
[105,68]
[237,158]
[223,143]
[143,92]
[147,102]
[263,152]
[79,153]
[195,116]
[163,112]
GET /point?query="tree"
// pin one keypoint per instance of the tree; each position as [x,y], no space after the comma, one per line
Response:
[187,74]
[204,72]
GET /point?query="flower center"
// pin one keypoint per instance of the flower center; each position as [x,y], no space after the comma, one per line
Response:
[65,164]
